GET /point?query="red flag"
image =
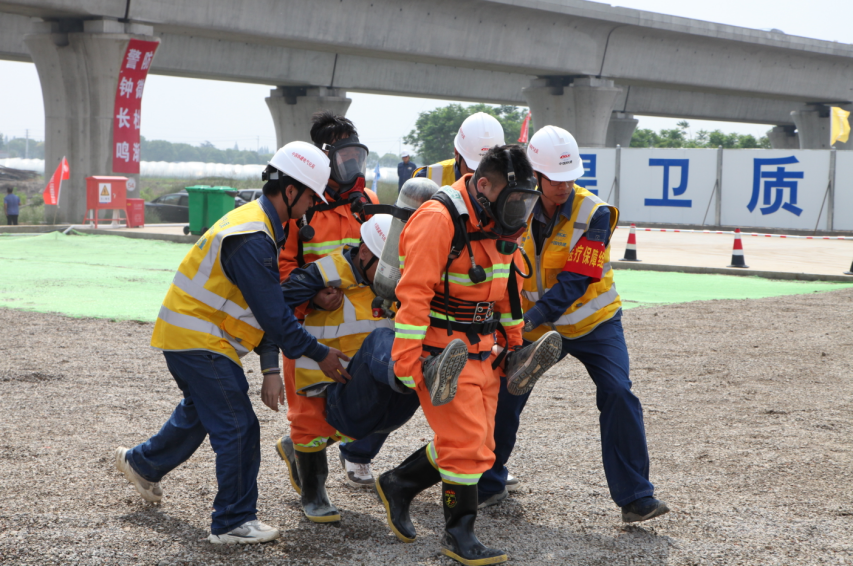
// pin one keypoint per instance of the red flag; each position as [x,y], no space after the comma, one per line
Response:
[524,125]
[51,191]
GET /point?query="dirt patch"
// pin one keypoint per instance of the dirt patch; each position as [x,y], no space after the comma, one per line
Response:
[748,407]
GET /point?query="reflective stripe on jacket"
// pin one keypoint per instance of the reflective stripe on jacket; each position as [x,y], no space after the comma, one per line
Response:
[425,243]
[332,229]
[601,301]
[443,172]
[203,309]
[344,328]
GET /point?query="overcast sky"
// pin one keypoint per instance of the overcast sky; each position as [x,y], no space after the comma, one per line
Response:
[194,111]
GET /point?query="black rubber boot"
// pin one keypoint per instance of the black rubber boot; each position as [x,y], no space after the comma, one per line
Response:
[398,487]
[313,471]
[284,447]
[459,541]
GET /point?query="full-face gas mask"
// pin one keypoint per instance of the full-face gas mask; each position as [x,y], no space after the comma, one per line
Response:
[511,209]
[348,159]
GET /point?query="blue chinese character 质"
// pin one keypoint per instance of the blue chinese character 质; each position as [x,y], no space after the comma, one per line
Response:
[775,180]
[684,165]
[588,180]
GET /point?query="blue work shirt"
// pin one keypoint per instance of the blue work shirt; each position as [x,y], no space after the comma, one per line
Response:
[251,262]
[404,172]
[570,286]
[13,204]
[306,281]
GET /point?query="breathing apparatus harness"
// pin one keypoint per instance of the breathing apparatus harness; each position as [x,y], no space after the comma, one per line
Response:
[484,320]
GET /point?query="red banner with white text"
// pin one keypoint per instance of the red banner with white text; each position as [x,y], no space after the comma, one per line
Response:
[127,117]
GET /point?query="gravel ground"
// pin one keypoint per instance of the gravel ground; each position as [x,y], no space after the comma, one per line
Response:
[748,405]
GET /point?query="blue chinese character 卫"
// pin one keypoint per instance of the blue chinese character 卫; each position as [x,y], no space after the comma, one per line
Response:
[684,165]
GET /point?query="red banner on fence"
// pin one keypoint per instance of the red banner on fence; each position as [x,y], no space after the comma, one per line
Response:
[51,191]
[128,106]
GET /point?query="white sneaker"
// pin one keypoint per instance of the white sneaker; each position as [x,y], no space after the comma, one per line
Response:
[250,532]
[512,483]
[150,491]
[358,475]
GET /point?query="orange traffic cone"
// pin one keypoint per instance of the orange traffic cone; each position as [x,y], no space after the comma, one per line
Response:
[631,248]
[737,251]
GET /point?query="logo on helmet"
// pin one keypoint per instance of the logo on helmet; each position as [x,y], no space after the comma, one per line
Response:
[303,159]
[565,156]
[379,231]
[535,149]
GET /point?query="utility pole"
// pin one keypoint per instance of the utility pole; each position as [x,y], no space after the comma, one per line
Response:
[27,146]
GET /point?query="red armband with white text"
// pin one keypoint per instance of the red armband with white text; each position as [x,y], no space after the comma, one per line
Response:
[587,259]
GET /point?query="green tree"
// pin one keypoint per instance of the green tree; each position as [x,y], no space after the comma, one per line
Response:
[389,160]
[432,138]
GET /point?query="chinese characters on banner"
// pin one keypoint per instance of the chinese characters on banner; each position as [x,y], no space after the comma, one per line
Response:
[127,117]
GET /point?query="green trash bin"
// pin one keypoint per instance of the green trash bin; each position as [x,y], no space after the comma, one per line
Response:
[207,205]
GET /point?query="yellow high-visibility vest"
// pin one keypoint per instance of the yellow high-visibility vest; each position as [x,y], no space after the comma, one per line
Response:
[344,328]
[443,172]
[601,301]
[203,309]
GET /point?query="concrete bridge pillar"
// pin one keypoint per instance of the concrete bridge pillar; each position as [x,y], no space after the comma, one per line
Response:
[292,106]
[581,105]
[621,129]
[813,127]
[78,64]
[784,137]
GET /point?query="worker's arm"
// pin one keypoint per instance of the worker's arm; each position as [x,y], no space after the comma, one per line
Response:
[513,327]
[302,285]
[249,260]
[575,278]
[424,244]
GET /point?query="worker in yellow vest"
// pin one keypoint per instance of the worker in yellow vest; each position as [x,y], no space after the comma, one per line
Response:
[572,292]
[374,400]
[224,300]
[477,134]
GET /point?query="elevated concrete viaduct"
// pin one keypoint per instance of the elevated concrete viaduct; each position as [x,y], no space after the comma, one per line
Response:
[583,65]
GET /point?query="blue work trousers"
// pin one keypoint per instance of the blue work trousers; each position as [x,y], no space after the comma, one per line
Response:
[623,437]
[364,450]
[215,403]
[373,401]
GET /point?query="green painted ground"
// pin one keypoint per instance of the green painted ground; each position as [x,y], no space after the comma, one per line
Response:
[121,278]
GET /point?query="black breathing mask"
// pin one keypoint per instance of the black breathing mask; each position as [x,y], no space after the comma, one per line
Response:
[348,159]
[511,209]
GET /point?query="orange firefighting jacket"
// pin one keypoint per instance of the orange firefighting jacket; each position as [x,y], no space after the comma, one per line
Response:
[424,247]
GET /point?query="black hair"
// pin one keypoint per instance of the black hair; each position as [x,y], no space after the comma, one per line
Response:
[9,190]
[494,164]
[328,127]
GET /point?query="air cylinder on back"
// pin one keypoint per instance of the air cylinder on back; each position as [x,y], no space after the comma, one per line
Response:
[414,193]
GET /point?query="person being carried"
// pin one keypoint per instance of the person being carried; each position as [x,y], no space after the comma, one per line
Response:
[573,292]
[224,299]
[464,289]
[373,400]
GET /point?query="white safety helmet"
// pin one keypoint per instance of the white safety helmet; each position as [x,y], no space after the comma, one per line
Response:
[304,162]
[375,231]
[478,134]
[554,152]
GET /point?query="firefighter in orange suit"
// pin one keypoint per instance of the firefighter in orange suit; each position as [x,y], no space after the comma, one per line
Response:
[468,289]
[321,231]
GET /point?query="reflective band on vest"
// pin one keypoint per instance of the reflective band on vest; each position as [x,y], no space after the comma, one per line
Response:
[203,309]
[600,301]
[344,328]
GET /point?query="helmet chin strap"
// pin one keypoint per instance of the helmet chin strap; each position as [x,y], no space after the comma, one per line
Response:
[283,191]
[363,267]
